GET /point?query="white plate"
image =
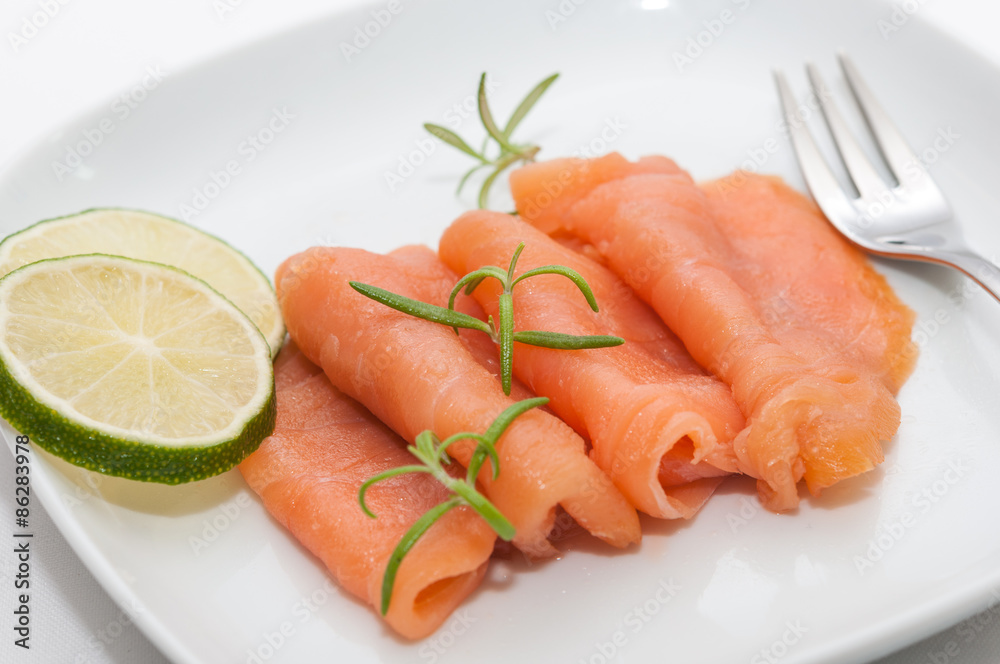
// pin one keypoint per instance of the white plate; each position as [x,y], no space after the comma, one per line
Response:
[211,578]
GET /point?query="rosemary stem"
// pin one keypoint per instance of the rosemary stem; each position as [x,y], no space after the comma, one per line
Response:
[416,531]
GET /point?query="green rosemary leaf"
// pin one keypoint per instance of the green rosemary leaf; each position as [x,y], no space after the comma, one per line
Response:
[498,522]
[468,174]
[526,105]
[473,285]
[384,476]
[506,314]
[513,264]
[487,118]
[485,450]
[416,531]
[473,279]
[489,439]
[470,281]
[561,341]
[501,165]
[454,140]
[454,438]
[484,191]
[510,414]
[567,272]
[425,449]
[419,309]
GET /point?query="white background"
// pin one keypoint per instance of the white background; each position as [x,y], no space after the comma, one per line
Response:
[85,53]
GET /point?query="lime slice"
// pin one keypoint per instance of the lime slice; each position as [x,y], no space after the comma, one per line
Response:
[150,237]
[132,368]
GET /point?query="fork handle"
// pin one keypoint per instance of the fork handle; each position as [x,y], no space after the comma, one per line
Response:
[977,268]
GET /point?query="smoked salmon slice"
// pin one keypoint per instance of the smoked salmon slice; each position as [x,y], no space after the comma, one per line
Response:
[308,473]
[809,337]
[660,426]
[415,375]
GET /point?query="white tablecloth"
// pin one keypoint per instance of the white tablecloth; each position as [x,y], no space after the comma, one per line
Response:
[84,52]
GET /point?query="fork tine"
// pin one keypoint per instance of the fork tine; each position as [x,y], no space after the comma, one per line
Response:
[864,176]
[819,178]
[904,164]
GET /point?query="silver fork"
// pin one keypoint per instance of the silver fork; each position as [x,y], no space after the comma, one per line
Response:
[909,219]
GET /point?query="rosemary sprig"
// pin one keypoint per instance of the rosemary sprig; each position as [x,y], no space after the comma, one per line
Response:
[433,455]
[509,152]
[501,332]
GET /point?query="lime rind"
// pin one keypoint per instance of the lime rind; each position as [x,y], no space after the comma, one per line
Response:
[94,450]
[275,336]
[78,441]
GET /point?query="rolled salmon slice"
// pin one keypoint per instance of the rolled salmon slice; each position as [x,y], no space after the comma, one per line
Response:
[308,473]
[816,385]
[660,426]
[416,375]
